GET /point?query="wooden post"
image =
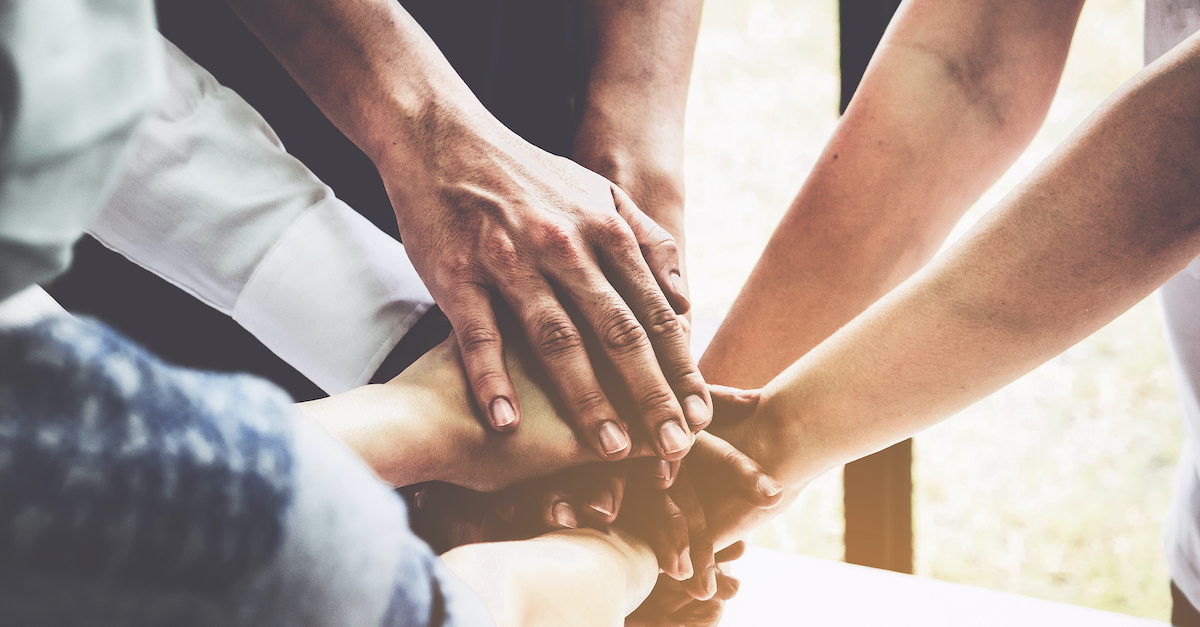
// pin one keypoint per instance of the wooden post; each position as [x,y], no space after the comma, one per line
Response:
[878,488]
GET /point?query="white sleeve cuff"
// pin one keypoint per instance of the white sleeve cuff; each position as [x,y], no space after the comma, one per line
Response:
[333,297]
[213,203]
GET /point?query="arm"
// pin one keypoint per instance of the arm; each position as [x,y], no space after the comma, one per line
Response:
[631,127]
[422,426]
[576,577]
[210,201]
[1103,222]
[483,214]
[952,96]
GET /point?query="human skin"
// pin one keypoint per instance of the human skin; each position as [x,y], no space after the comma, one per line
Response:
[424,426]
[639,54]
[953,95]
[489,219]
[579,577]
[1105,220]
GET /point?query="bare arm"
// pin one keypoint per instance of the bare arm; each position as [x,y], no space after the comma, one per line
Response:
[577,577]
[486,216]
[639,54]
[1109,217]
[952,96]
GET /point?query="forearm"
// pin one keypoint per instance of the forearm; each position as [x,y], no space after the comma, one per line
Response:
[1112,215]
[392,428]
[639,54]
[576,577]
[375,73]
[951,98]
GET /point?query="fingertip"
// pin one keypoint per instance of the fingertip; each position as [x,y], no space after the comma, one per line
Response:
[727,587]
[703,586]
[684,568]
[768,492]
[563,515]
[603,507]
[503,415]
[677,293]
[612,441]
[674,441]
[697,412]
[664,473]
[731,552]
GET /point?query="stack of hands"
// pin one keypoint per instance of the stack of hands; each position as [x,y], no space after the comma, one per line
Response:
[683,495]
[587,410]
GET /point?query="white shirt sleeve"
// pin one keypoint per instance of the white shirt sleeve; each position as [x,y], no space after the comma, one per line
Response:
[213,203]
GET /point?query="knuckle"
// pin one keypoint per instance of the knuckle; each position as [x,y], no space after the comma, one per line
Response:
[455,267]
[556,336]
[560,240]
[662,322]
[656,399]
[478,337]
[491,380]
[588,401]
[623,334]
[613,232]
[502,251]
[659,244]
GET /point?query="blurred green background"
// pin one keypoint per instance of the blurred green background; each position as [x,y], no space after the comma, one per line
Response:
[1055,487]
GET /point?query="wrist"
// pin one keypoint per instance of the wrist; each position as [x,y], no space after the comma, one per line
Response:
[393,429]
[642,159]
[781,439]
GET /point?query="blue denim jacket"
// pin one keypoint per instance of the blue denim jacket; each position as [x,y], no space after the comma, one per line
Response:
[136,493]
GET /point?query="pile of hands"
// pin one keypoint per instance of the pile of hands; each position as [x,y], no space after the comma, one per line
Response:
[567,396]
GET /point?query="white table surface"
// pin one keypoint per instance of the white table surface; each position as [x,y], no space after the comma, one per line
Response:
[785,589]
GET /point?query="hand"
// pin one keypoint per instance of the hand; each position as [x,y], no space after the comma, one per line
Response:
[741,417]
[423,426]
[669,605]
[674,523]
[495,218]
[578,577]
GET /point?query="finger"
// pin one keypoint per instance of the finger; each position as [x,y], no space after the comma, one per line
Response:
[470,312]
[559,346]
[723,468]
[703,584]
[664,473]
[558,513]
[732,405]
[658,248]
[699,614]
[731,552]
[606,492]
[654,517]
[665,329]
[629,350]
[727,587]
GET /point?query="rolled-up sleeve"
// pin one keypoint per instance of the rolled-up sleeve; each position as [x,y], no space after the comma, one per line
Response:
[213,203]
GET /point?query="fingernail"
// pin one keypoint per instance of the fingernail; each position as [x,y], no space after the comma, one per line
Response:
[710,579]
[612,438]
[685,564]
[677,283]
[503,413]
[673,437]
[696,410]
[768,486]
[663,470]
[604,504]
[564,515]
